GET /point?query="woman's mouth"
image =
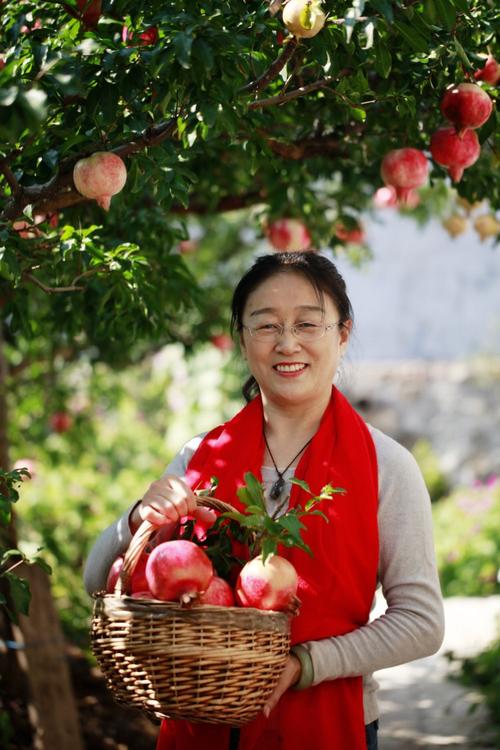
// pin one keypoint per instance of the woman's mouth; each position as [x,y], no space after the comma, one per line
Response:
[290,369]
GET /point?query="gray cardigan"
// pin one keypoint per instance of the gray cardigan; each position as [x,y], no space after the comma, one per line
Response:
[413,624]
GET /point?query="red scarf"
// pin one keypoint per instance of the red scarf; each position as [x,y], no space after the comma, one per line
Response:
[336,586]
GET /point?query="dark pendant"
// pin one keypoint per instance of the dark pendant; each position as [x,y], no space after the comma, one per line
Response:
[277,488]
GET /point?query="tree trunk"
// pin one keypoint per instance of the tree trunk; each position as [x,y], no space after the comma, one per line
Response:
[34,669]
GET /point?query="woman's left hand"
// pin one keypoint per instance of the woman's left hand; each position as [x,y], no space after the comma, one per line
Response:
[289,677]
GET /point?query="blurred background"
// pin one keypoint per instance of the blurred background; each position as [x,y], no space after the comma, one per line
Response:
[423,366]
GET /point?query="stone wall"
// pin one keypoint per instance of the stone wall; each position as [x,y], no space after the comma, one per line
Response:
[455,406]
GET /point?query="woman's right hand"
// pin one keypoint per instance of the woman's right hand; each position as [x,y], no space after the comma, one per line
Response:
[165,501]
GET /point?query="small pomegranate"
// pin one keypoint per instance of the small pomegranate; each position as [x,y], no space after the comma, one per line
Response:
[467,206]
[61,421]
[385,197]
[146,37]
[222,341]
[138,580]
[456,225]
[271,585]
[178,571]
[303,18]
[454,152]
[466,106]
[90,11]
[486,226]
[288,235]
[490,73]
[2,62]
[218,593]
[405,169]
[100,176]
[188,246]
[356,235]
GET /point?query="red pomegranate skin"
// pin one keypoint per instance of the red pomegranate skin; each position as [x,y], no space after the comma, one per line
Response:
[218,593]
[405,169]
[466,106]
[490,73]
[178,571]
[138,580]
[454,152]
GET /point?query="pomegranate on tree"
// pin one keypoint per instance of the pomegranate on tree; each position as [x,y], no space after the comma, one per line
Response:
[486,226]
[356,235]
[490,73]
[405,169]
[303,18]
[466,106]
[61,421]
[178,571]
[455,225]
[454,152]
[218,593]
[288,235]
[100,176]
[222,341]
[271,585]
[90,11]
[385,197]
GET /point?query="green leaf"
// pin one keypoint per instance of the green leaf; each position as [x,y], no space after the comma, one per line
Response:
[300,483]
[269,547]
[20,593]
[182,45]
[461,53]
[384,7]
[414,39]
[446,12]
[383,60]
[255,490]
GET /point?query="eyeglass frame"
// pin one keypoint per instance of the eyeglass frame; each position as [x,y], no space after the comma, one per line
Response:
[292,329]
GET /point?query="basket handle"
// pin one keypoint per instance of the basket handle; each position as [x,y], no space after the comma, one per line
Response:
[142,536]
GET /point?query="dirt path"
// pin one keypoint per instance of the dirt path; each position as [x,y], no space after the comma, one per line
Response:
[420,707]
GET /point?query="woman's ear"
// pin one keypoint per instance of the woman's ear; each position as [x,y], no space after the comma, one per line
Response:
[345,333]
[242,345]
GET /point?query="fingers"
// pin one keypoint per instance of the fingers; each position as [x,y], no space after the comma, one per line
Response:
[289,676]
[167,500]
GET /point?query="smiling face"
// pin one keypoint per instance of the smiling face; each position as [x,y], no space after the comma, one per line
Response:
[291,372]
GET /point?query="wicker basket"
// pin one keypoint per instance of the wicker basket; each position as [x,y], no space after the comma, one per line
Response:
[204,663]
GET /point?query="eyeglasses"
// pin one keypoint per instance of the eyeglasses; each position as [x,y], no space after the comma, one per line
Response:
[302,331]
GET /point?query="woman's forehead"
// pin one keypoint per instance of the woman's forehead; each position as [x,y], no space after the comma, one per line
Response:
[288,291]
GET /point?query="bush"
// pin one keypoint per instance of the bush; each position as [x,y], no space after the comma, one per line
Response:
[435,480]
[483,672]
[467,532]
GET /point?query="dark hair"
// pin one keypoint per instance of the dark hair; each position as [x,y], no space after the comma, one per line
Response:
[321,273]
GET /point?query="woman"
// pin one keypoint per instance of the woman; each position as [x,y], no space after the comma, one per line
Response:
[294,319]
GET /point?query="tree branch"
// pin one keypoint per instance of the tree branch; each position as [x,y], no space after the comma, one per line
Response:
[295,94]
[274,69]
[9,176]
[51,289]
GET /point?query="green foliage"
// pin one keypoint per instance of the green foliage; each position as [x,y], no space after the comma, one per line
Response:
[467,532]
[483,672]
[15,598]
[435,480]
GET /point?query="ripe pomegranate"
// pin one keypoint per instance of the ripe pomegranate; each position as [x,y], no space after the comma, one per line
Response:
[2,62]
[405,169]
[456,225]
[178,571]
[385,197]
[142,594]
[138,580]
[100,176]
[218,593]
[222,341]
[303,18]
[466,106]
[486,226]
[61,421]
[288,235]
[271,585]
[490,73]
[90,11]
[149,36]
[455,152]
[188,246]
[356,235]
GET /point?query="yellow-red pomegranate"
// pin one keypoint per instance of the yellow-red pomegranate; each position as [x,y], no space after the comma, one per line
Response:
[490,73]
[288,235]
[466,106]
[454,152]
[100,176]
[303,18]
[486,226]
[456,225]
[271,585]
[356,235]
[405,169]
[178,571]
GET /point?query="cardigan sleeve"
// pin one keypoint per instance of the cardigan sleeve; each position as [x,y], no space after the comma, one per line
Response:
[413,624]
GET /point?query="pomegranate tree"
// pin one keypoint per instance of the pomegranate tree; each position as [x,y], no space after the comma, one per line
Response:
[454,152]
[100,176]
[303,18]
[270,585]
[178,571]
[405,169]
[466,106]
[490,73]
[288,235]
